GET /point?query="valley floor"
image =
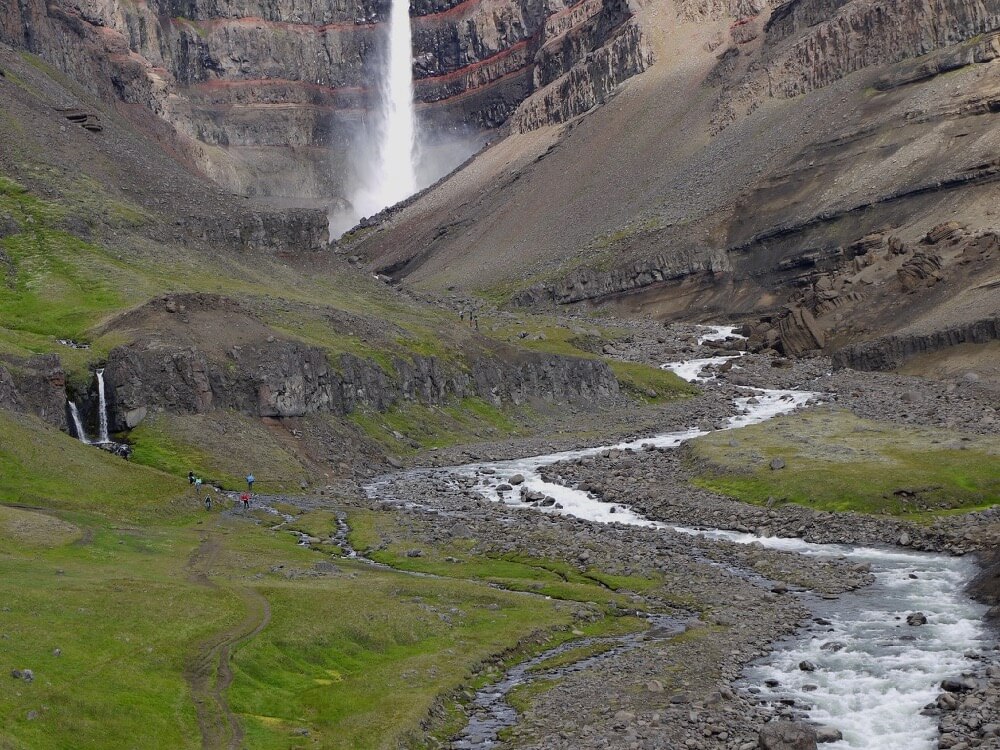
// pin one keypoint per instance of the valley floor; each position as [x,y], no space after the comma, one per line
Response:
[368,615]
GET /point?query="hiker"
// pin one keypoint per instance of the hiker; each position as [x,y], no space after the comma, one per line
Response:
[250,481]
[208,502]
[197,484]
[190,477]
[476,319]
[245,498]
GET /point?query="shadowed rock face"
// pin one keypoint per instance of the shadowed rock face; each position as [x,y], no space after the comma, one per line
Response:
[288,379]
[34,385]
[267,97]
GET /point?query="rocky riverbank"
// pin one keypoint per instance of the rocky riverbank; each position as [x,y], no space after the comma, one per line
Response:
[737,601]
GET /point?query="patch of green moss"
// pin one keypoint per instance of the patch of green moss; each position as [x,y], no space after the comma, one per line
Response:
[835,461]
[650,384]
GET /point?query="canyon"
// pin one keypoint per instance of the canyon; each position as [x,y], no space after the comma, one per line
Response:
[653,403]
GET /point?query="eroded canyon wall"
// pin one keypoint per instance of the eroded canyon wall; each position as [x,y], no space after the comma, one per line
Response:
[267,98]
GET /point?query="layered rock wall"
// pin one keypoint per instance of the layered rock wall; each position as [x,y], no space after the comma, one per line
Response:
[890,352]
[287,379]
[268,97]
[587,284]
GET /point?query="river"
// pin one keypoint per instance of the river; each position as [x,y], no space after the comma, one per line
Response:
[859,667]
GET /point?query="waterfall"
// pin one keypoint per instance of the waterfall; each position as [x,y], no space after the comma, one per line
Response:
[397,173]
[388,171]
[77,422]
[102,435]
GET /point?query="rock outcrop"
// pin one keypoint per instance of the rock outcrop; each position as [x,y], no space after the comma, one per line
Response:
[890,352]
[289,379]
[35,385]
[590,284]
[799,332]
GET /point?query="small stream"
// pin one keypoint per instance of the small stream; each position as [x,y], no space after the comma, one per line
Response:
[490,712]
[866,671]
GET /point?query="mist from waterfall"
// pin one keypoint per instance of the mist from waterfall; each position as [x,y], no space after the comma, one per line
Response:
[392,159]
[393,175]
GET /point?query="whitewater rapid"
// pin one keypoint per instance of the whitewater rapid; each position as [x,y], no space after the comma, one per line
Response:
[874,673]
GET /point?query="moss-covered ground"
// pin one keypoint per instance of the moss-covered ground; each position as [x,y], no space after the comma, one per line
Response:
[118,590]
[836,461]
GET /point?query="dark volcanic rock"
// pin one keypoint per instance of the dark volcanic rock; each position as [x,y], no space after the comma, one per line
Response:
[36,385]
[787,735]
[890,352]
[290,379]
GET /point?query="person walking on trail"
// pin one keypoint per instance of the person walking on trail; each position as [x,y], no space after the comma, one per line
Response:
[208,502]
[197,484]
[190,477]
[245,498]
[250,481]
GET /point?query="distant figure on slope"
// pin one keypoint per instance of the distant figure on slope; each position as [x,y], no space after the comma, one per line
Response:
[208,502]
[197,484]
[245,498]
[250,481]
[190,477]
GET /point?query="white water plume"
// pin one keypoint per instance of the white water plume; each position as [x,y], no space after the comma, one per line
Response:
[77,423]
[393,157]
[102,416]
[394,173]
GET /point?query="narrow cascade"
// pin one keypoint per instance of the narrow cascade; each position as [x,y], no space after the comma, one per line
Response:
[77,422]
[102,435]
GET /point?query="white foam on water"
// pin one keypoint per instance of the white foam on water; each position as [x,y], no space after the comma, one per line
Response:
[872,689]
[719,333]
[691,369]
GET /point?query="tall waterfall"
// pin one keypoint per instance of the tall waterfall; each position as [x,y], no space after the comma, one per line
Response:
[102,405]
[397,171]
[388,172]
[77,423]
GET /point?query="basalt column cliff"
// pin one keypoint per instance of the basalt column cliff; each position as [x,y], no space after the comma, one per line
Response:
[265,97]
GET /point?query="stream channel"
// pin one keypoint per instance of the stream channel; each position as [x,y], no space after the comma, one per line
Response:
[873,673]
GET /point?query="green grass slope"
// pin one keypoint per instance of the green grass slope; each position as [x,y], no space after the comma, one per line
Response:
[836,461]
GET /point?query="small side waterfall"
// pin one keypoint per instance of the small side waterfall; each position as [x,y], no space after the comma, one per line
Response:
[74,412]
[102,403]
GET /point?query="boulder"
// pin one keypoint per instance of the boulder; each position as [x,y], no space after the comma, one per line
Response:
[800,332]
[828,734]
[516,479]
[923,269]
[942,232]
[916,618]
[787,735]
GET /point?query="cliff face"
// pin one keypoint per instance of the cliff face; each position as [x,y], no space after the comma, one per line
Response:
[265,96]
[287,379]
[743,174]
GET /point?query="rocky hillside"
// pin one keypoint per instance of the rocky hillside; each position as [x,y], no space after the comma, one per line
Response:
[265,97]
[224,327]
[835,161]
